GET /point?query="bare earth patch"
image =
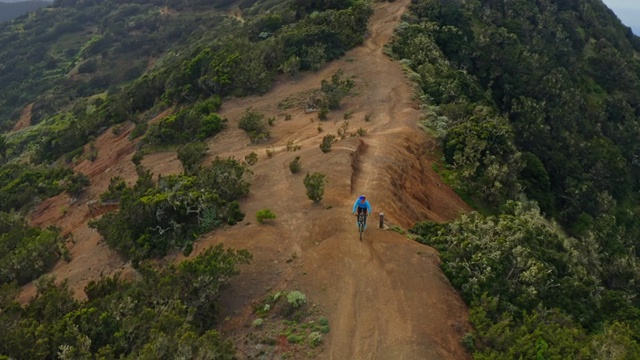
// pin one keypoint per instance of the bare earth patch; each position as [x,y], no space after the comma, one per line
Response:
[25,118]
[384,297]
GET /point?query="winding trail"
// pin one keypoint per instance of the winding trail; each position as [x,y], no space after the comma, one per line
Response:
[385,296]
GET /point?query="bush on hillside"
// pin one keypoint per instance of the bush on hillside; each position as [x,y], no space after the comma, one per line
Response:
[314,183]
[295,166]
[264,215]
[253,123]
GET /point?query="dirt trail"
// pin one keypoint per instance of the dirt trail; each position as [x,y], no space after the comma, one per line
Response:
[385,296]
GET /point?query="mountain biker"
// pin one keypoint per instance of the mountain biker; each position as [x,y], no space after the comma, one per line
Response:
[362,204]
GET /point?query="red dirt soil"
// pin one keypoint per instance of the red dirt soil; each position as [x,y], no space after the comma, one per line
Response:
[385,296]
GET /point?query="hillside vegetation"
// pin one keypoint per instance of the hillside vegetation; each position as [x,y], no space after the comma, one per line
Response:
[536,106]
[77,68]
[537,102]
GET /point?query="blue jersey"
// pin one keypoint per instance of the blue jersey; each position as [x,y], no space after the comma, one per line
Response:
[364,205]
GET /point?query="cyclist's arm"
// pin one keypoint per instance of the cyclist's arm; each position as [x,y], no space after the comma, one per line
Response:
[368,207]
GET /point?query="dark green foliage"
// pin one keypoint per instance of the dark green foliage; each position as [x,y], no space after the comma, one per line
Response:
[331,94]
[537,99]
[512,268]
[295,165]
[22,185]
[319,5]
[536,183]
[191,155]
[251,159]
[543,334]
[253,123]
[335,90]
[571,100]
[194,62]
[88,66]
[157,217]
[25,252]
[325,35]
[75,184]
[517,256]
[117,189]
[482,149]
[187,125]
[139,130]
[314,183]
[171,311]
[327,140]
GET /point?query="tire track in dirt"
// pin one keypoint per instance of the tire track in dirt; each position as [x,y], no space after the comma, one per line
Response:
[386,297]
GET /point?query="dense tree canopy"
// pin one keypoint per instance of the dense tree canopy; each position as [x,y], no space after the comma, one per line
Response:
[536,101]
[170,311]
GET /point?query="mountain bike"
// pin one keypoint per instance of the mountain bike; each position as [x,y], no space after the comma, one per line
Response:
[362,221]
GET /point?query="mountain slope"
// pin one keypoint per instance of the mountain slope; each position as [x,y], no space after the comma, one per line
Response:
[537,107]
[385,296]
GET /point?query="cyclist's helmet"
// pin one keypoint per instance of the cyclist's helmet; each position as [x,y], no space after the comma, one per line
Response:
[362,197]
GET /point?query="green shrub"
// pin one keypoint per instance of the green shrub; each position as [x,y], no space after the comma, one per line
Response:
[335,90]
[186,125]
[27,252]
[325,146]
[182,300]
[314,184]
[468,342]
[75,184]
[136,159]
[295,339]
[296,299]
[88,67]
[265,214]
[191,155]
[251,158]
[253,123]
[139,130]
[315,339]
[155,217]
[323,112]
[295,165]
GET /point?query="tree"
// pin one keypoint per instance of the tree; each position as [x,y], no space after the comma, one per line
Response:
[335,90]
[191,155]
[291,67]
[253,123]
[325,145]
[315,186]
[295,165]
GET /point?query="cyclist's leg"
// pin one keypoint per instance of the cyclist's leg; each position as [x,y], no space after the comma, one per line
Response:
[364,210]
[358,211]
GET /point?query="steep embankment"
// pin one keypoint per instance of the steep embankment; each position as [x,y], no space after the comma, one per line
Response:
[385,297]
